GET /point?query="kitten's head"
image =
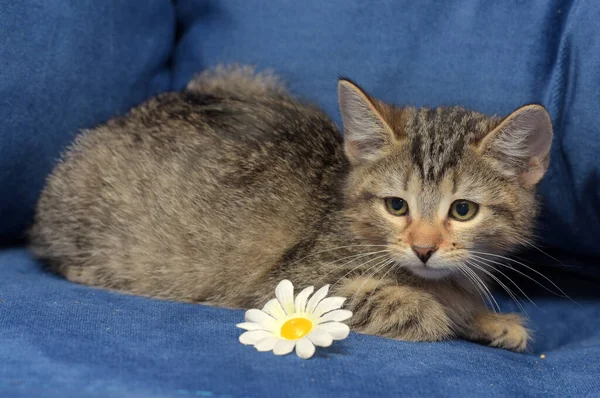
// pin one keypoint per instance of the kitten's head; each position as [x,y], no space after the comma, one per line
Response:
[442,186]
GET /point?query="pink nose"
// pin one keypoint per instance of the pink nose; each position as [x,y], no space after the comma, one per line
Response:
[424,252]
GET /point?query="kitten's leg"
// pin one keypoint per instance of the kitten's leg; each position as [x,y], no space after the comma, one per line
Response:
[499,330]
[386,309]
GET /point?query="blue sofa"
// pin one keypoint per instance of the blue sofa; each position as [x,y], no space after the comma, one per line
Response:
[69,65]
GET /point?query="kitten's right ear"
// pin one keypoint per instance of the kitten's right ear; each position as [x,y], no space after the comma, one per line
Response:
[522,144]
[366,133]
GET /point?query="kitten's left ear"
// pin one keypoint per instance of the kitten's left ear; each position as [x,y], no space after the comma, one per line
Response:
[522,143]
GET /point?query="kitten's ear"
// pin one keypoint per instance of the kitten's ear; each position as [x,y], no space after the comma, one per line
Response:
[366,133]
[522,143]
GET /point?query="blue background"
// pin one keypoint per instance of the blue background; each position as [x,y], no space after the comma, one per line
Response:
[68,65]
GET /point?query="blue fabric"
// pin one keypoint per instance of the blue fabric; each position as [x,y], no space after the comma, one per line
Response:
[67,65]
[491,56]
[59,339]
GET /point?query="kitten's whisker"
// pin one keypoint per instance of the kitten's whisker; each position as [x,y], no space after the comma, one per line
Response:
[483,285]
[354,268]
[526,243]
[506,288]
[391,261]
[519,272]
[529,268]
[469,265]
[478,289]
[484,299]
[357,267]
[353,258]
[382,265]
[332,249]
[481,261]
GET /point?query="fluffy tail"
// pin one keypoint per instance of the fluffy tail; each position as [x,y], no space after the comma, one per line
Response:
[238,80]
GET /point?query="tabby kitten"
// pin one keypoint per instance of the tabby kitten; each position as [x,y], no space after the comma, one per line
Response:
[215,194]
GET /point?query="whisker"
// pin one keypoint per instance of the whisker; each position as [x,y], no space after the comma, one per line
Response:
[483,285]
[392,261]
[520,273]
[484,298]
[381,266]
[353,258]
[332,249]
[506,288]
[564,295]
[481,261]
[357,267]
[526,243]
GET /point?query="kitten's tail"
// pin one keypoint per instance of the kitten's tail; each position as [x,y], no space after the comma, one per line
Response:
[237,80]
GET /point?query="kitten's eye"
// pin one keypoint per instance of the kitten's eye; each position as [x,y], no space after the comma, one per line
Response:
[396,206]
[463,210]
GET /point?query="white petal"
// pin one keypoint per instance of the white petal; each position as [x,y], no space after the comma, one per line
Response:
[305,348]
[253,336]
[329,304]
[284,347]
[266,344]
[320,338]
[285,294]
[336,315]
[274,309]
[302,298]
[250,326]
[316,298]
[338,331]
[262,318]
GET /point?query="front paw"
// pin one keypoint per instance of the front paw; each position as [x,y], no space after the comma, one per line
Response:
[399,312]
[501,331]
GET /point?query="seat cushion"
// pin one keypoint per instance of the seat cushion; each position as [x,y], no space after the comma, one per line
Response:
[59,339]
[66,66]
[487,55]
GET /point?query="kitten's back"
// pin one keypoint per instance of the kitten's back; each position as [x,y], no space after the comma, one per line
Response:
[193,195]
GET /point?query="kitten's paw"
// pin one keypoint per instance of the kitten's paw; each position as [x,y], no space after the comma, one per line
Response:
[501,330]
[399,312]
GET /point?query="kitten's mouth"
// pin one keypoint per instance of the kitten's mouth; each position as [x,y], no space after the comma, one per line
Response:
[430,273]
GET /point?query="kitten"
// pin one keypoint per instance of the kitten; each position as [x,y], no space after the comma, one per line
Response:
[215,194]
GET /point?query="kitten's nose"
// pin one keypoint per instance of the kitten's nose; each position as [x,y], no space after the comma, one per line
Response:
[424,252]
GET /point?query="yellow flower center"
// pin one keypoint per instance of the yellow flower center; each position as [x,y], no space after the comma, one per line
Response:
[296,328]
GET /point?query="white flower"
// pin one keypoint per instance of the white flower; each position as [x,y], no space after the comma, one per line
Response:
[303,323]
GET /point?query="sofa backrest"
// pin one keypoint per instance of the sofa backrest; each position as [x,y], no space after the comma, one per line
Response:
[69,67]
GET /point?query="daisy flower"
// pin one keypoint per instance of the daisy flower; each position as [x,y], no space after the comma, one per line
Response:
[302,323]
